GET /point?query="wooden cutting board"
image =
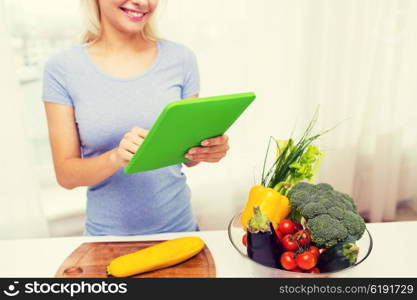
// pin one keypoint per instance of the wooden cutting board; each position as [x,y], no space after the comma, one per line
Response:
[89,260]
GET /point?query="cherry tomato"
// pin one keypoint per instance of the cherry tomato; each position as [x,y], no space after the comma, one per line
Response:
[322,250]
[297,270]
[306,260]
[245,240]
[298,227]
[289,243]
[314,250]
[314,270]
[288,261]
[286,226]
[303,237]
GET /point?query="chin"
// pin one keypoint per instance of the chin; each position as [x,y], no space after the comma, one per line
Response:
[132,31]
[128,29]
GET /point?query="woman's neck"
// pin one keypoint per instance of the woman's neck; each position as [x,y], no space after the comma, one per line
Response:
[113,41]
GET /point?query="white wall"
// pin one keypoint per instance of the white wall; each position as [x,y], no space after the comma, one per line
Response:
[21,212]
[229,40]
[356,58]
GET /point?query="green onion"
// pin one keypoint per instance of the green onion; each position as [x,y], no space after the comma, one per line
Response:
[296,161]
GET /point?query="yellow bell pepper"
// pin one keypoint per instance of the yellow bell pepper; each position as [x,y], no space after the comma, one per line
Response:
[272,204]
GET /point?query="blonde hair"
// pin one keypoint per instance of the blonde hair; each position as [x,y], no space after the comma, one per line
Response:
[92,25]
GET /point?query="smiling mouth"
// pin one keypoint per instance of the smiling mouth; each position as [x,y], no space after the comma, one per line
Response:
[134,13]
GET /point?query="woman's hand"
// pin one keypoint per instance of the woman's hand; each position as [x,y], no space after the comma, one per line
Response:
[212,150]
[128,146]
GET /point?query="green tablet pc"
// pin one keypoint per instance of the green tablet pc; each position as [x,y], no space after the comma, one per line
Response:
[185,124]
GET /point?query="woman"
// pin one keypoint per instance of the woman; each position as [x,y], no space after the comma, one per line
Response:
[100,98]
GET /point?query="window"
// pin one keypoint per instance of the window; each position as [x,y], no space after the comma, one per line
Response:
[38,30]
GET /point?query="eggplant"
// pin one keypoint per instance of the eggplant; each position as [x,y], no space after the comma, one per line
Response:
[262,241]
[338,257]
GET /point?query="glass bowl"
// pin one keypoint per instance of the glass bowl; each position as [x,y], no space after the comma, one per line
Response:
[258,270]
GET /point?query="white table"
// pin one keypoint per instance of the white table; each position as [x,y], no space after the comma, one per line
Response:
[392,255]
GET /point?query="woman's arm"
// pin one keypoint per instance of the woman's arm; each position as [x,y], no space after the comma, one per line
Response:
[70,169]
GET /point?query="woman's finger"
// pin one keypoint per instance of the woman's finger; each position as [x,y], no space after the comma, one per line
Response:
[139,131]
[210,149]
[211,160]
[125,155]
[205,156]
[129,146]
[220,140]
[135,139]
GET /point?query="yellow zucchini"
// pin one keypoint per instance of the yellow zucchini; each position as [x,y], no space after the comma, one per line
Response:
[159,256]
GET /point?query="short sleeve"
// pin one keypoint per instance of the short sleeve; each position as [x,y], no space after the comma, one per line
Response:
[191,84]
[54,85]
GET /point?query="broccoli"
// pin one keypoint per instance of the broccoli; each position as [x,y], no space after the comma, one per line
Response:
[331,216]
